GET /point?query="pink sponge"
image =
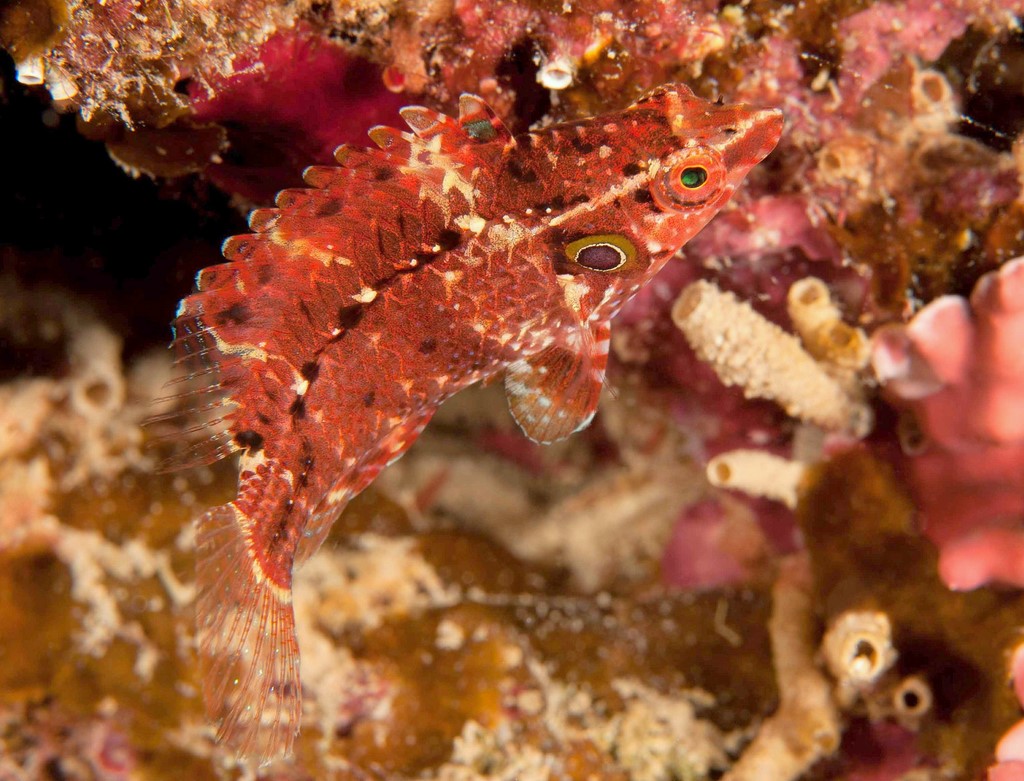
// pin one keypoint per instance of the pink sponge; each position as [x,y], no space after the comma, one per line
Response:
[959,367]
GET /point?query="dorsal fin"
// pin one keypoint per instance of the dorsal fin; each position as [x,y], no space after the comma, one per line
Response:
[480,122]
[311,265]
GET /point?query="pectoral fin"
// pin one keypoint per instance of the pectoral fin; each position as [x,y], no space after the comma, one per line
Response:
[555,392]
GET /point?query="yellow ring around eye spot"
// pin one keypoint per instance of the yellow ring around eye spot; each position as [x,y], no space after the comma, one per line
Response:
[625,249]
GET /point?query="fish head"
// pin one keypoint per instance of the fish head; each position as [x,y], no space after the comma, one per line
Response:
[652,176]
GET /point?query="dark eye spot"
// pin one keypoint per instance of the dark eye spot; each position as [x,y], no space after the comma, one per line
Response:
[642,196]
[310,371]
[298,407]
[601,252]
[631,169]
[601,257]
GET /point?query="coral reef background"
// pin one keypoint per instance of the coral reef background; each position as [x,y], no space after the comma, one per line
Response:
[792,544]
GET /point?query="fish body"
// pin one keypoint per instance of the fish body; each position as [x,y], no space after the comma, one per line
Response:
[404,274]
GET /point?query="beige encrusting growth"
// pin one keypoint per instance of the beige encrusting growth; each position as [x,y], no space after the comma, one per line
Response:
[858,651]
[758,473]
[746,349]
[806,727]
[819,324]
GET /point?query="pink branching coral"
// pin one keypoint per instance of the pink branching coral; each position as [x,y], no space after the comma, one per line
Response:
[959,367]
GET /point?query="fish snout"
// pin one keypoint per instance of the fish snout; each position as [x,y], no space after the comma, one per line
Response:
[758,134]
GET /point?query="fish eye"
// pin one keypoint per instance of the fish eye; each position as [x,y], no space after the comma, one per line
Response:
[693,177]
[602,252]
[691,182]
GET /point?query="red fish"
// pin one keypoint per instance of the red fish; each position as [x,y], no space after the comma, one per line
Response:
[402,275]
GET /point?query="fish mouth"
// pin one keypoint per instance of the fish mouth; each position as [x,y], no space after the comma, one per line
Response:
[759,131]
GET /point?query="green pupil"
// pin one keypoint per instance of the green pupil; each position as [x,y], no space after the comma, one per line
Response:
[693,177]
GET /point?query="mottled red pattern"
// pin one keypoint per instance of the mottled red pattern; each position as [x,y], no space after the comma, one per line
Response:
[401,276]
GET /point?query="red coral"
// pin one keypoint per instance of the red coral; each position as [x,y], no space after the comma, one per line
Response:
[959,367]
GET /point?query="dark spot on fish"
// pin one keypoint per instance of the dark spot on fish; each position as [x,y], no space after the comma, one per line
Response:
[329,208]
[236,314]
[264,273]
[383,174]
[428,345]
[368,399]
[425,258]
[250,440]
[349,316]
[298,407]
[310,370]
[581,146]
[631,169]
[642,196]
[448,239]
[263,418]
[281,532]
[522,174]
[555,204]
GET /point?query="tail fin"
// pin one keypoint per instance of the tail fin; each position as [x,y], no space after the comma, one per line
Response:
[249,656]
